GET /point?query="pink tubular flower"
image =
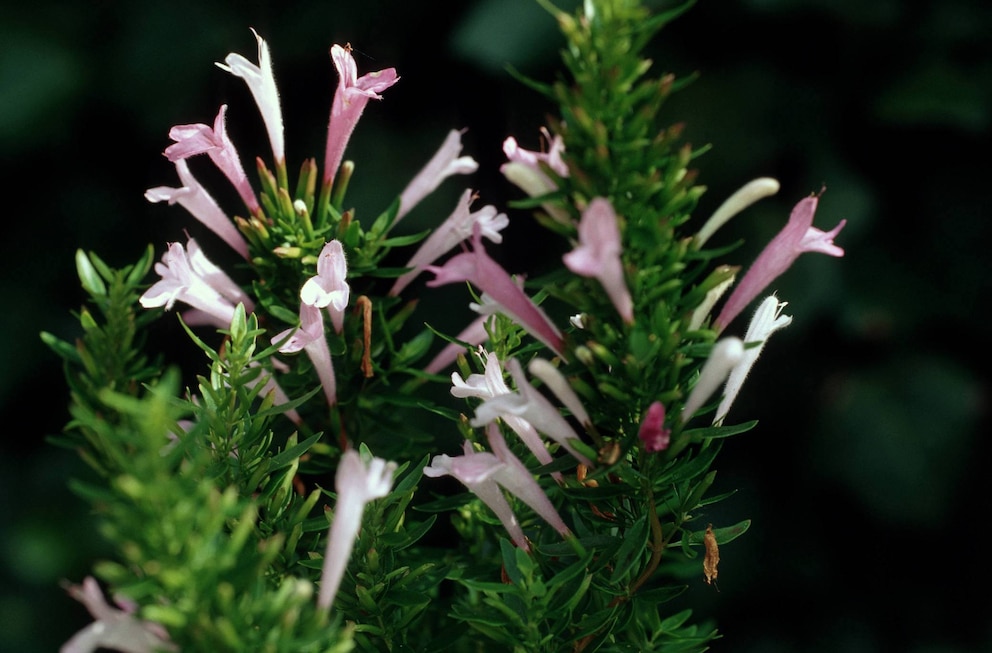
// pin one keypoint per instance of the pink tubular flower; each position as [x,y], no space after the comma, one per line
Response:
[767,320]
[114,629]
[491,384]
[485,473]
[479,269]
[442,165]
[652,432]
[452,231]
[199,139]
[262,84]
[798,236]
[530,405]
[188,276]
[357,483]
[195,199]
[310,338]
[329,289]
[352,94]
[598,255]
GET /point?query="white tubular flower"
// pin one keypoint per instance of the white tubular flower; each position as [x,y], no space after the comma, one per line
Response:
[558,384]
[703,311]
[262,84]
[189,277]
[744,197]
[767,320]
[726,353]
[114,629]
[532,406]
[491,384]
[357,483]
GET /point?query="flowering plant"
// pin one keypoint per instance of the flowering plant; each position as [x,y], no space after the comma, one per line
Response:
[308,492]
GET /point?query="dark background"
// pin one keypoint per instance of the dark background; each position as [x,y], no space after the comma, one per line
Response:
[866,478]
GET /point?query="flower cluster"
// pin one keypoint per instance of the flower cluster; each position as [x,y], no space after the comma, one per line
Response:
[574,438]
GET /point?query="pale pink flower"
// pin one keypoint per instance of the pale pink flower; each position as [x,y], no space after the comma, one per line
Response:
[357,482]
[598,255]
[484,474]
[214,142]
[552,377]
[188,276]
[652,432]
[552,158]
[329,288]
[478,268]
[115,629]
[491,384]
[529,404]
[262,84]
[352,94]
[201,205]
[742,198]
[524,171]
[452,231]
[442,165]
[796,237]
[726,353]
[310,337]
[767,320]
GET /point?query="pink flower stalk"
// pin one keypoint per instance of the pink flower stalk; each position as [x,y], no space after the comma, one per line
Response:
[442,165]
[479,269]
[652,432]
[484,473]
[195,199]
[188,276]
[199,139]
[767,320]
[524,171]
[742,198]
[796,237]
[726,353]
[357,483]
[455,229]
[352,94]
[598,255]
[491,384]
[262,84]
[530,405]
[114,629]
[329,289]
[310,338]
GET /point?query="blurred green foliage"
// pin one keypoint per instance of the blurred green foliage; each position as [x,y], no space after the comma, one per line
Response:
[873,405]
